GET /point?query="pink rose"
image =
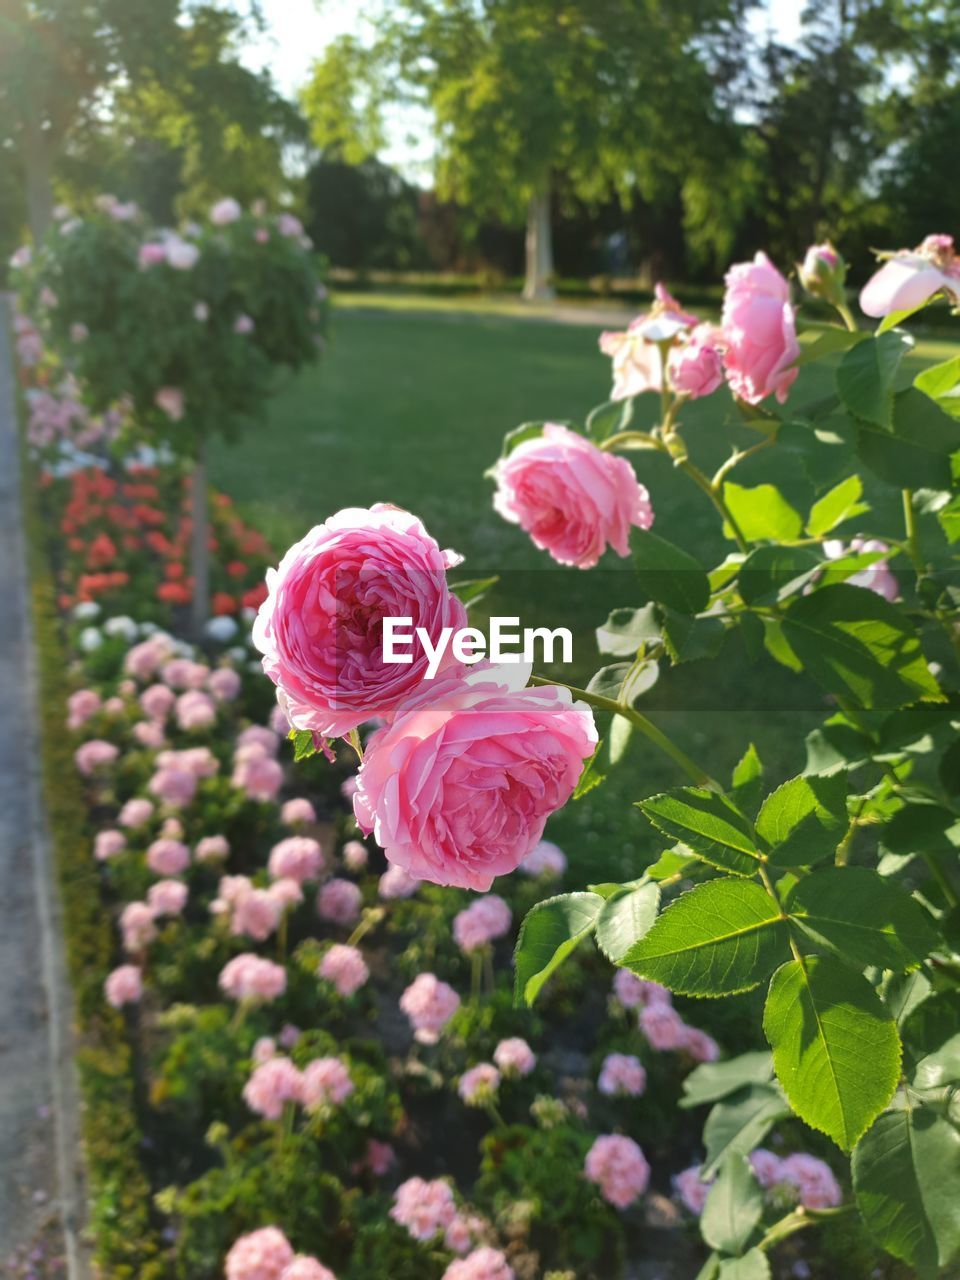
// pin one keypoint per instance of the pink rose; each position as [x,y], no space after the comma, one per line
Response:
[908,280]
[326,1082]
[618,1167]
[249,977]
[485,1263]
[429,1005]
[877,577]
[298,857]
[459,788]
[637,362]
[692,1191]
[622,1076]
[123,986]
[339,902]
[514,1057]
[307,1268]
[696,368]
[345,967]
[261,1255]
[107,844]
[571,497]
[167,897]
[479,1085]
[424,1208]
[759,331]
[170,400]
[225,211]
[321,627]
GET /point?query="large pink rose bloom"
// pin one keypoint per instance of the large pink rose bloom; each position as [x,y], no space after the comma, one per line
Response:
[571,497]
[908,280]
[321,627]
[759,331]
[459,787]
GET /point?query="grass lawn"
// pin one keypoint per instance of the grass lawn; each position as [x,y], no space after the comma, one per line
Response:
[410,405]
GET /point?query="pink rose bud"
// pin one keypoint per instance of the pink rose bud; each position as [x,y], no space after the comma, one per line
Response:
[823,273]
[696,367]
[759,331]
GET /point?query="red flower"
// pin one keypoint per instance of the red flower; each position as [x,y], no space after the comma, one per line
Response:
[255,597]
[222,603]
[236,569]
[175,592]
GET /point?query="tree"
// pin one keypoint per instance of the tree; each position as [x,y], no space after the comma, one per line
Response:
[363,216]
[612,96]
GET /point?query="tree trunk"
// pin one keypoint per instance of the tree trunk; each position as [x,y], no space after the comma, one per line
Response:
[539,244]
[38,164]
[200,545]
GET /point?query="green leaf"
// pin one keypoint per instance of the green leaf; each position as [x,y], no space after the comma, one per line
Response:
[841,503]
[941,382]
[746,782]
[896,318]
[828,343]
[862,918]
[608,419]
[775,573]
[741,1121]
[626,918]
[835,1047]
[708,825]
[669,575]
[752,1266]
[734,1206]
[866,376]
[472,590]
[627,630]
[762,513]
[804,820]
[712,1081]
[905,1176]
[949,518]
[720,938]
[672,863]
[835,744]
[940,1068]
[904,992]
[624,682]
[594,772]
[914,452]
[859,646]
[303,743]
[549,933]
[688,639]
[517,435]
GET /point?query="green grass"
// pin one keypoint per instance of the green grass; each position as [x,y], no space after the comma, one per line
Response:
[410,406]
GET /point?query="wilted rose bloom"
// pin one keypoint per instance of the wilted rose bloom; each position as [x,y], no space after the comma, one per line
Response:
[909,279]
[94,756]
[298,857]
[137,926]
[124,985]
[877,577]
[622,1075]
[168,857]
[572,498]
[637,363]
[429,1004]
[481,923]
[258,776]
[256,915]
[484,1263]
[459,787]
[321,627]
[211,849]
[224,684]
[424,1208]
[307,1268]
[339,901]
[107,844]
[345,967]
[135,813]
[272,1085]
[225,211]
[544,859]
[662,1026]
[813,1179]
[696,367]
[167,897]
[700,1046]
[326,1082]
[618,1167]
[767,1167]
[249,977]
[81,706]
[691,1189]
[261,1255]
[156,701]
[181,254]
[514,1057]
[195,710]
[759,331]
[171,401]
[395,883]
[479,1085]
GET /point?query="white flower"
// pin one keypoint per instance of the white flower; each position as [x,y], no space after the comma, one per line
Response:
[238,653]
[123,626]
[181,255]
[89,639]
[86,610]
[222,629]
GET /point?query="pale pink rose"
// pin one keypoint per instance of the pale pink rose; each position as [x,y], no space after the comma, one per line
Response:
[345,967]
[339,902]
[429,1005]
[877,577]
[137,926]
[813,1179]
[114,707]
[696,367]
[199,761]
[544,859]
[395,883]
[637,363]
[145,659]
[298,857]
[81,706]
[225,211]
[767,1167]
[233,888]
[908,280]
[459,787]
[700,1046]
[298,812]
[135,813]
[156,701]
[458,1237]
[168,857]
[256,915]
[249,977]
[355,855]
[184,673]
[628,989]
[243,325]
[149,734]
[662,1026]
[306,1268]
[195,710]
[264,1049]
[107,844]
[259,777]
[271,1086]
[171,401]
[286,893]
[572,498]
[481,923]
[692,1191]
[224,684]
[261,1255]
[326,1082]
[514,1057]
[258,735]
[321,627]
[172,829]
[151,255]
[759,331]
[94,756]
[622,1076]
[484,1263]
[211,849]
[124,985]
[381,1157]
[181,254]
[618,1167]
[167,897]
[289,225]
[174,786]
[424,1208]
[479,1085]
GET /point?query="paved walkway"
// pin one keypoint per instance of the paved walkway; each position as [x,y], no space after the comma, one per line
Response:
[34,1059]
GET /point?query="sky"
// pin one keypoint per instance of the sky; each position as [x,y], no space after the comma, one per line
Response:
[299,30]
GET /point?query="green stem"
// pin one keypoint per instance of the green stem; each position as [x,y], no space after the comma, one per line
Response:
[716,497]
[910,526]
[846,315]
[638,439]
[735,459]
[797,1221]
[843,848]
[646,727]
[370,918]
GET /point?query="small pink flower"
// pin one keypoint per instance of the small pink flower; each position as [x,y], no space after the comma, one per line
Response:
[544,859]
[700,1046]
[81,706]
[696,367]
[306,1268]
[124,986]
[286,892]
[692,1190]
[298,857]
[637,362]
[256,915]
[224,684]
[225,211]
[107,844]
[424,1208]
[767,1167]
[211,849]
[289,225]
[171,401]
[662,1026]
[151,255]
[272,1085]
[572,498]
[137,926]
[95,756]
[484,1263]
[622,1075]
[759,331]
[195,710]
[174,786]
[259,735]
[326,1082]
[264,1049]
[395,883]
[145,659]
[355,855]
[298,812]
[813,1179]
[249,977]
[181,255]
[149,734]
[259,777]
[381,1157]
[156,701]
[909,279]
[168,857]
[429,1004]
[514,1057]
[877,577]
[167,897]
[135,813]
[243,325]
[618,1167]
[345,967]
[261,1255]
[339,902]
[485,920]
[479,1085]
